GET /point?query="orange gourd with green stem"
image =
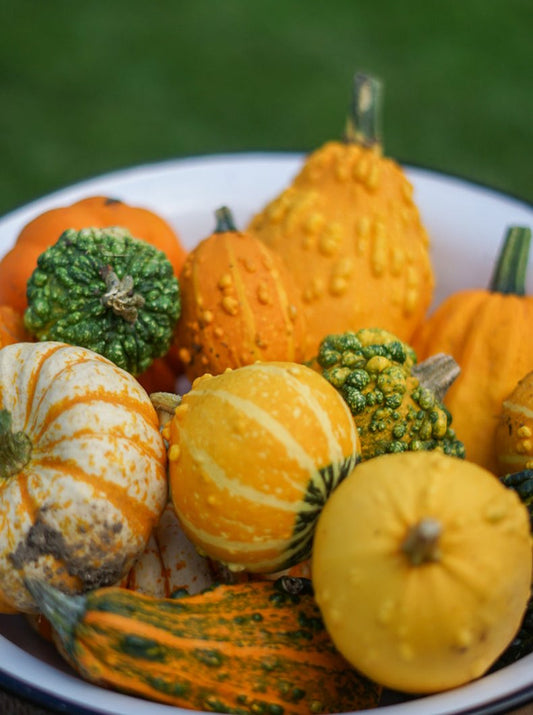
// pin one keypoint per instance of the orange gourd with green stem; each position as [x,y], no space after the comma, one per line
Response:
[350,232]
[488,332]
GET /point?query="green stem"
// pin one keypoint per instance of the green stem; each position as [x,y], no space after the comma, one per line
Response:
[363,125]
[421,545]
[120,296]
[225,220]
[15,447]
[510,271]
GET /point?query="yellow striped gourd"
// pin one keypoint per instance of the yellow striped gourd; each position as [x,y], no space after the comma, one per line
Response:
[253,455]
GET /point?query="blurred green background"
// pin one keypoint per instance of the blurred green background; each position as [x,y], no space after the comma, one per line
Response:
[89,87]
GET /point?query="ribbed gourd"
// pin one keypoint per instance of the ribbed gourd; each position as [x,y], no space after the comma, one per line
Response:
[107,291]
[488,332]
[422,569]
[245,648]
[239,304]
[395,402]
[82,470]
[253,455]
[351,234]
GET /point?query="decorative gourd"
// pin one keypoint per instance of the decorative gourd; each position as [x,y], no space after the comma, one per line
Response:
[253,455]
[395,402]
[488,332]
[245,648]
[82,470]
[422,569]
[17,265]
[239,304]
[514,431]
[107,291]
[350,233]
[12,328]
[169,562]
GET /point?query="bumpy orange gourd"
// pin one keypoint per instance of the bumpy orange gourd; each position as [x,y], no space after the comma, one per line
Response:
[488,332]
[17,265]
[82,470]
[422,569]
[253,455]
[12,328]
[239,304]
[514,431]
[350,232]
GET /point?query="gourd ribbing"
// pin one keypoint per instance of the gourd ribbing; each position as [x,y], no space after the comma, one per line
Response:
[15,447]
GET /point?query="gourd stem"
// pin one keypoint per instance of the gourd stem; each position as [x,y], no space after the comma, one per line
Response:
[120,296]
[15,447]
[437,374]
[165,404]
[225,220]
[363,125]
[421,545]
[64,611]
[510,271]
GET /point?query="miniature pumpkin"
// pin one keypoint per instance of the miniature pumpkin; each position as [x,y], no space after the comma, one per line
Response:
[422,569]
[107,291]
[82,470]
[350,233]
[12,328]
[488,332]
[514,432]
[239,304]
[17,265]
[244,648]
[253,455]
[393,400]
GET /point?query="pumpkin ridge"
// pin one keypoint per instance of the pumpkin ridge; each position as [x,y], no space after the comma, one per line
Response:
[250,327]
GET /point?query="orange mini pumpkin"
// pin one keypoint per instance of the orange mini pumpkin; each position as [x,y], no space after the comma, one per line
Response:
[238,304]
[351,234]
[17,265]
[12,328]
[488,332]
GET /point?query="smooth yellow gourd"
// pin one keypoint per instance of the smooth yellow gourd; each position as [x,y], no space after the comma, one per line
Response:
[422,568]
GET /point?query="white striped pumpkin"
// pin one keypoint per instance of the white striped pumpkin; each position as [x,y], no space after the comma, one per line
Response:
[78,507]
[253,455]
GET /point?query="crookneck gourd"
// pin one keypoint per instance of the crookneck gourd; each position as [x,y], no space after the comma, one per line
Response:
[422,569]
[82,470]
[351,234]
[253,455]
[246,648]
[239,304]
[107,291]
[17,265]
[395,402]
[488,332]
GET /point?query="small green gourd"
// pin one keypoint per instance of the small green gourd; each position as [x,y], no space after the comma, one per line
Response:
[105,290]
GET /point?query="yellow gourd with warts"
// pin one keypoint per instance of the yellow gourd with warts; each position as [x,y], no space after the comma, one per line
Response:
[350,233]
[421,567]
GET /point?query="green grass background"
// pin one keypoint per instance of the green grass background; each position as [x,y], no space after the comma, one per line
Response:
[89,87]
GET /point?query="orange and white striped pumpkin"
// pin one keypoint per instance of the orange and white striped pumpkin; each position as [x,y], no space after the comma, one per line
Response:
[82,470]
[253,455]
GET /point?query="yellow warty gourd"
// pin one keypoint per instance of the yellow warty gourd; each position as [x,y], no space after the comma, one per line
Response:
[422,569]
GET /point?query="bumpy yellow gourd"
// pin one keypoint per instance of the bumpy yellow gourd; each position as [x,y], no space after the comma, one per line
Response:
[253,455]
[514,431]
[422,568]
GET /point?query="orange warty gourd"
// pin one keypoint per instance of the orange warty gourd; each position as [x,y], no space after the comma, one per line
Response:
[82,470]
[243,648]
[514,431]
[488,332]
[17,265]
[422,569]
[239,304]
[12,328]
[351,235]
[253,455]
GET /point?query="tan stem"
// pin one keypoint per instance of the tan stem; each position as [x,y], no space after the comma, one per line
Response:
[120,296]
[437,374]
[421,545]
[165,404]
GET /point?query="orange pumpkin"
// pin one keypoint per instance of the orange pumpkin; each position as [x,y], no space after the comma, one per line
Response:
[350,232]
[12,328]
[488,332]
[238,304]
[17,265]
